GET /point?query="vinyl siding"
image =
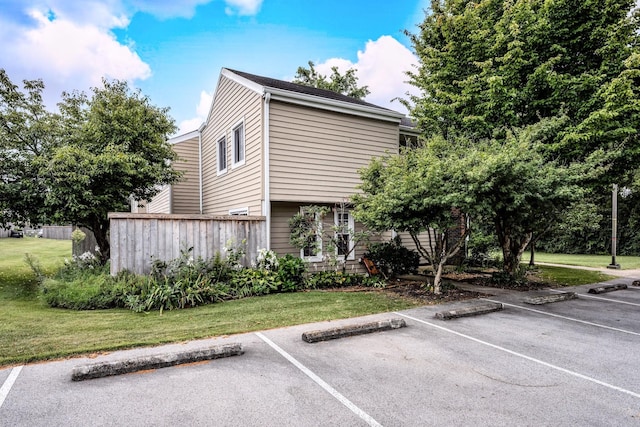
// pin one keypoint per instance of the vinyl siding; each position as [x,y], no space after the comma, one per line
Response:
[185,195]
[161,203]
[239,187]
[315,154]
[280,215]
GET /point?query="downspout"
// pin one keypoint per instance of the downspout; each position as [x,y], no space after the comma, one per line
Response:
[266,209]
[200,164]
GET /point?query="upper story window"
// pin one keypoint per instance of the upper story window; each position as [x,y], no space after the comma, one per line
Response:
[222,155]
[237,136]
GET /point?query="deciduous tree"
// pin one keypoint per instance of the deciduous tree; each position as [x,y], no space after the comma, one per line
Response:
[346,84]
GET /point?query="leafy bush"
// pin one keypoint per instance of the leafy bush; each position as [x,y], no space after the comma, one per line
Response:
[79,288]
[291,273]
[337,279]
[392,258]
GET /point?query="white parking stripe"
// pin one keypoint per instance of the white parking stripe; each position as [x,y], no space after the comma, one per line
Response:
[601,298]
[8,383]
[346,402]
[565,317]
[523,356]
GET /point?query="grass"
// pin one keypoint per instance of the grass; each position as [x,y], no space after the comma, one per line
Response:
[561,276]
[31,331]
[599,261]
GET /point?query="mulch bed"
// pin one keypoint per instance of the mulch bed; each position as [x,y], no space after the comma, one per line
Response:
[419,291]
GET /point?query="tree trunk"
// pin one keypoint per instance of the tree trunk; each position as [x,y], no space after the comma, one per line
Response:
[100,231]
[512,247]
[437,281]
[532,262]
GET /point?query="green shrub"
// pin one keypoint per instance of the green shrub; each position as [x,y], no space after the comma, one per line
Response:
[291,273]
[82,292]
[392,258]
[337,279]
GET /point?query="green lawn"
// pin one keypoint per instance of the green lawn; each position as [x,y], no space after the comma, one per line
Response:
[560,276]
[600,261]
[31,331]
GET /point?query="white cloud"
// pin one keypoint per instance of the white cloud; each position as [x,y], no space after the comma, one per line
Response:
[69,55]
[202,111]
[382,67]
[243,7]
[70,44]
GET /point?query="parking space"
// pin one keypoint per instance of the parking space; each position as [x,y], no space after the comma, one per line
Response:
[567,363]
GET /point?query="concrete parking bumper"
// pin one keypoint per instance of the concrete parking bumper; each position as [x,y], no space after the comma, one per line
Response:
[607,288]
[546,299]
[351,330]
[125,366]
[471,310]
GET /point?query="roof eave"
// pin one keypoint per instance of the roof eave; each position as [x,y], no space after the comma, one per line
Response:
[333,105]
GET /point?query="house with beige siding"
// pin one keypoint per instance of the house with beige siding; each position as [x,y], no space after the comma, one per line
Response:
[182,197]
[269,147]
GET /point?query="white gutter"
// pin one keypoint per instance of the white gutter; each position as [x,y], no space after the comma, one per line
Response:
[266,208]
[200,129]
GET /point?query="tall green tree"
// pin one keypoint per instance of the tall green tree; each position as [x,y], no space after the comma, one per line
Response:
[89,158]
[346,84]
[490,68]
[27,131]
[507,183]
[416,192]
[115,149]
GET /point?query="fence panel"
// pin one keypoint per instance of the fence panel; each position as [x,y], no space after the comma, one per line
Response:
[58,232]
[139,239]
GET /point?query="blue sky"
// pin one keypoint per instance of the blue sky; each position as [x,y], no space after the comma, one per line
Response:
[173,50]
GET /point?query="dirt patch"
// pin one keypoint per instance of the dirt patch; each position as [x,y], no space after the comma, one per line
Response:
[417,291]
[418,287]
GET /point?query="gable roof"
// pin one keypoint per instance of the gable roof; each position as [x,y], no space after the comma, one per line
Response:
[300,88]
[311,96]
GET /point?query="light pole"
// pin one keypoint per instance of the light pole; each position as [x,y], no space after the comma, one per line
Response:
[614,227]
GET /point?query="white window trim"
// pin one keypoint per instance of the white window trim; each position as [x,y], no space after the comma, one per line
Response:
[239,211]
[226,162]
[318,256]
[235,164]
[351,226]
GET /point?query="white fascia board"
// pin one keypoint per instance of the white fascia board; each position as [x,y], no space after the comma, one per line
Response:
[334,105]
[184,137]
[257,88]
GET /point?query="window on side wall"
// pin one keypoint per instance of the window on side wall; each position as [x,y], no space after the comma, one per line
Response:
[313,250]
[222,155]
[237,136]
[344,226]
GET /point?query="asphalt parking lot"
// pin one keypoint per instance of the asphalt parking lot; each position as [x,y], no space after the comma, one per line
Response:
[567,363]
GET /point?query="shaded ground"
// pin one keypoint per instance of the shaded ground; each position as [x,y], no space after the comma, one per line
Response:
[457,286]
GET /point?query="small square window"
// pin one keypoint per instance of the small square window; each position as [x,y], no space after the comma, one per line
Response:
[237,134]
[222,155]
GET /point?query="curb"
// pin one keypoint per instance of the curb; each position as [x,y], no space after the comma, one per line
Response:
[546,299]
[473,310]
[351,330]
[119,367]
[607,288]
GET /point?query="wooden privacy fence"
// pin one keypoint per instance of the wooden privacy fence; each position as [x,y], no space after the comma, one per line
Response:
[139,239]
[58,232]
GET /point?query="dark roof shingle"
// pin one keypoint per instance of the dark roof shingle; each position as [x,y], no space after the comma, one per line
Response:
[307,90]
